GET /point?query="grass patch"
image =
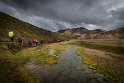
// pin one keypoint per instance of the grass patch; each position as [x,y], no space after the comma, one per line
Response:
[112,69]
[12,64]
[85,58]
[23,56]
[58,47]
[51,60]
[3,47]
[11,72]
[117,47]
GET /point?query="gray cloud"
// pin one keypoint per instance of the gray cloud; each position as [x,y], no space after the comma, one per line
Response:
[60,14]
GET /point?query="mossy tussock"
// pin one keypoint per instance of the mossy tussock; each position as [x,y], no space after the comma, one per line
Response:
[49,60]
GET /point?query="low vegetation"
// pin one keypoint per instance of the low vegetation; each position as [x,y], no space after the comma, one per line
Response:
[51,59]
[47,59]
[12,67]
[114,46]
[104,60]
[11,72]
[13,58]
[58,47]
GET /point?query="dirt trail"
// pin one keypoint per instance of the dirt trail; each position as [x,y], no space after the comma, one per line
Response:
[69,69]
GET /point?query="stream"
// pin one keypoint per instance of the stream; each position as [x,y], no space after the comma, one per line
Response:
[69,69]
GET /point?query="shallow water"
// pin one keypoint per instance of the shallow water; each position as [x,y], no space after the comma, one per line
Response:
[69,69]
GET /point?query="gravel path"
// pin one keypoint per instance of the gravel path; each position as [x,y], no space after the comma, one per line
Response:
[69,69]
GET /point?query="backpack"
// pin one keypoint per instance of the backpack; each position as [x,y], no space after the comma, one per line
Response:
[11,34]
[20,38]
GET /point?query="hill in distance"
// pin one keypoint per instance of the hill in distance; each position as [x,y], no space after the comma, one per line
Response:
[9,23]
[75,31]
[84,33]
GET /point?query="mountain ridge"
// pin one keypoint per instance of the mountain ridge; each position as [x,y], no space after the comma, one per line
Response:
[84,33]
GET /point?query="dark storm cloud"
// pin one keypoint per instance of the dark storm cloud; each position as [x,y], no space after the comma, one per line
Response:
[17,3]
[65,10]
[118,13]
[58,14]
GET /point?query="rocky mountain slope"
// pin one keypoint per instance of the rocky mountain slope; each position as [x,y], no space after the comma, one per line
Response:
[84,33]
[74,31]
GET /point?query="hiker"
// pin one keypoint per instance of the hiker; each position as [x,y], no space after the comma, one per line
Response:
[30,42]
[35,41]
[20,40]
[11,35]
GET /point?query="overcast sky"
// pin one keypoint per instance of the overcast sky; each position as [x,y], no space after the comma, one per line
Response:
[61,14]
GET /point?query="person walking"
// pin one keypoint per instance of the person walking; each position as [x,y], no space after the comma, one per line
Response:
[30,42]
[11,35]
[35,41]
[20,40]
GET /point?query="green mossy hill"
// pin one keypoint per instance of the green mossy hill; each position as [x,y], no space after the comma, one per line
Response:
[9,23]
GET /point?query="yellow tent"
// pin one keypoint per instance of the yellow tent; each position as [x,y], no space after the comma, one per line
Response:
[11,34]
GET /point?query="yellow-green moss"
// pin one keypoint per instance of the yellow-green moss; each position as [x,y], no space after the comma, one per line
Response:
[23,56]
[46,58]
[51,60]
[85,59]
